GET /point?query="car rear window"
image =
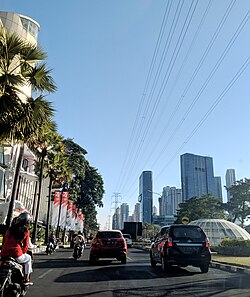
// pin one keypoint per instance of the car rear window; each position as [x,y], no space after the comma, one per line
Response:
[126,236]
[194,233]
[109,235]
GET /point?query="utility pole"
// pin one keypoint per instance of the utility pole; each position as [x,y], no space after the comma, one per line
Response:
[109,218]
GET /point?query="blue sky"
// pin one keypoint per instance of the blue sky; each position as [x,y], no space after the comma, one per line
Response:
[137,90]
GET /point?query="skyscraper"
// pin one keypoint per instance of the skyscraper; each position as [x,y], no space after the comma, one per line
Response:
[124,214]
[137,212]
[146,196]
[230,180]
[218,187]
[170,200]
[197,176]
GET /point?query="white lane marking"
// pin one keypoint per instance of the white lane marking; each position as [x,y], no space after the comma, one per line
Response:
[41,276]
[129,258]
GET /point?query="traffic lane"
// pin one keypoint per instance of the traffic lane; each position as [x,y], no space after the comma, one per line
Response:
[60,275]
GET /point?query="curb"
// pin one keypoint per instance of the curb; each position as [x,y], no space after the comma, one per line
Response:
[229,267]
[42,248]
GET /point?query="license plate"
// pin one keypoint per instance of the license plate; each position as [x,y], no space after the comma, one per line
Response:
[188,249]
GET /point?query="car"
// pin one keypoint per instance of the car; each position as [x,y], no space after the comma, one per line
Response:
[108,244]
[181,245]
[128,240]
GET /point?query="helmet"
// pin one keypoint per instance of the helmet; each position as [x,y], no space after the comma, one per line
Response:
[23,219]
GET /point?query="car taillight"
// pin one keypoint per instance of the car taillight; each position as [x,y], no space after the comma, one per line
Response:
[121,243]
[169,242]
[207,243]
[97,242]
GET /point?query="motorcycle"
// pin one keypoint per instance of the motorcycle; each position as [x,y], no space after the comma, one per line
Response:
[78,250]
[50,248]
[12,279]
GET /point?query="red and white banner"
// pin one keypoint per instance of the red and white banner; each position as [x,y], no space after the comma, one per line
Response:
[73,221]
[55,209]
[79,221]
[64,207]
[69,216]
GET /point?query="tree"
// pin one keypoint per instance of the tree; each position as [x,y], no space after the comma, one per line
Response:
[22,117]
[86,187]
[238,207]
[56,170]
[204,207]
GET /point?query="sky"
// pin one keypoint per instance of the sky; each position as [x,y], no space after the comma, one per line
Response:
[141,82]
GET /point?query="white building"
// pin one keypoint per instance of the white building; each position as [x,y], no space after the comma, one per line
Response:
[27,29]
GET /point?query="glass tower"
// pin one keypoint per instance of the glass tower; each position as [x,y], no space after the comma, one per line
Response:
[197,176]
[146,196]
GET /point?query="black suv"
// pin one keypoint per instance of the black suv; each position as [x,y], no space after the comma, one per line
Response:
[181,245]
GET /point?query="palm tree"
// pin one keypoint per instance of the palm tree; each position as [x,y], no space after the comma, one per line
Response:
[21,116]
[54,167]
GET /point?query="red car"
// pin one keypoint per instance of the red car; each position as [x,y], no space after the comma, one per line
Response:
[108,244]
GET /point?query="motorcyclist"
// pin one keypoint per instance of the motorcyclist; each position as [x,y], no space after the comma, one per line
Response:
[16,244]
[79,240]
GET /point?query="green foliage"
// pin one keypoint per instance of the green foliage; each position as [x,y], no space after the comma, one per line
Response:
[86,186]
[238,207]
[22,117]
[229,242]
[234,247]
[149,230]
[204,207]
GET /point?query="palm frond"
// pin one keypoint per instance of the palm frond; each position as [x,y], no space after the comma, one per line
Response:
[40,78]
[31,54]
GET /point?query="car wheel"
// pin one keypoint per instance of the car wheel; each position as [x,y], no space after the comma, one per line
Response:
[204,268]
[164,264]
[152,261]
[124,260]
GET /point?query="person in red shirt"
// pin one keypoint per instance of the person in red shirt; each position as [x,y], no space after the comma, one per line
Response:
[16,243]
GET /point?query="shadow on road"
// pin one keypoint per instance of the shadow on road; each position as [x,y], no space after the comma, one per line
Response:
[115,271]
[199,288]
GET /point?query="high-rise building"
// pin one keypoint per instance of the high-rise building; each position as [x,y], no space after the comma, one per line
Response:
[146,196]
[230,180]
[197,176]
[137,212]
[218,187]
[116,219]
[169,202]
[124,214]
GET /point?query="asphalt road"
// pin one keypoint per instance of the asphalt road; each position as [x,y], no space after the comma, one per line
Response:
[60,275]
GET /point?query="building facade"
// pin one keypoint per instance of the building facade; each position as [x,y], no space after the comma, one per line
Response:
[137,212]
[27,29]
[124,214]
[230,180]
[197,176]
[169,204]
[146,196]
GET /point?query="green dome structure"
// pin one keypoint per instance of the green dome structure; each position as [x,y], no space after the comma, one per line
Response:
[218,229]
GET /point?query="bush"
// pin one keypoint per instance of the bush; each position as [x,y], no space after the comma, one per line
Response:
[235,242]
[234,247]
